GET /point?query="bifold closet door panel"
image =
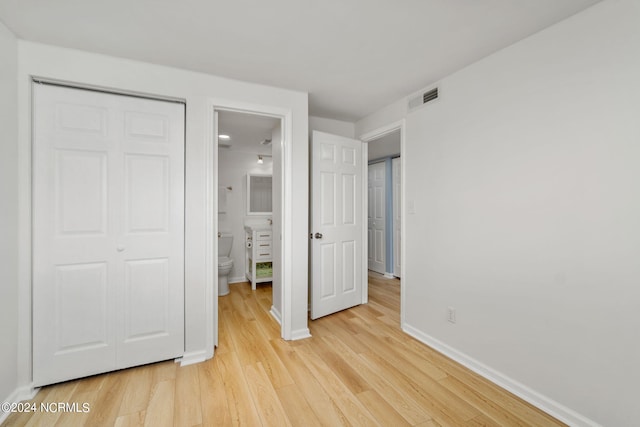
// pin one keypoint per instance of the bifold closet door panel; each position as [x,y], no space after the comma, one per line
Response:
[108,203]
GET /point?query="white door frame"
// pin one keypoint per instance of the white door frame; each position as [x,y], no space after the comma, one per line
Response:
[370,136]
[211,250]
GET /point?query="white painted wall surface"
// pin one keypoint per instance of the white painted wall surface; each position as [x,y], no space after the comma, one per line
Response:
[336,127]
[526,186]
[386,146]
[234,167]
[200,91]
[8,215]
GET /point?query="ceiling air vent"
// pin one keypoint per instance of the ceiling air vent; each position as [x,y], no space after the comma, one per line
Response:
[423,99]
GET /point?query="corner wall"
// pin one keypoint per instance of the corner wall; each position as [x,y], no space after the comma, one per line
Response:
[8,216]
[526,183]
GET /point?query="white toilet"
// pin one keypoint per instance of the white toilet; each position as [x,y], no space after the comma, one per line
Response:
[225,263]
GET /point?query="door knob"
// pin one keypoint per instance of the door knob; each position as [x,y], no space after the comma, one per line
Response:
[318,236]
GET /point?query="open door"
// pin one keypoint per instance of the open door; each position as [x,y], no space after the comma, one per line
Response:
[338,260]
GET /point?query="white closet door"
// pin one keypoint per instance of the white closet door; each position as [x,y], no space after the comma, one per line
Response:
[376,227]
[108,232]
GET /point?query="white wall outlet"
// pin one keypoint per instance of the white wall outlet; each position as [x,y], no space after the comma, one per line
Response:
[411,207]
[451,314]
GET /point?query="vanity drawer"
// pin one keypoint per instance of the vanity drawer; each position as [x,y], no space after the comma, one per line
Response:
[263,235]
[263,245]
[262,254]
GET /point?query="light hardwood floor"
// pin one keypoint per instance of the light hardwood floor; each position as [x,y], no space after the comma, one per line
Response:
[359,368]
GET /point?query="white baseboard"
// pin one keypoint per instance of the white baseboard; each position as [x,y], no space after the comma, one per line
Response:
[300,334]
[389,275]
[538,400]
[239,279]
[18,395]
[192,358]
[276,315]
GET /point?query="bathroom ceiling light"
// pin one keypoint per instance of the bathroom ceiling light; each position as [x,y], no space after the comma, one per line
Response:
[260,161]
[223,136]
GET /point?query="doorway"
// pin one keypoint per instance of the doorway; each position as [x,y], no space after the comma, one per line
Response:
[384,204]
[249,194]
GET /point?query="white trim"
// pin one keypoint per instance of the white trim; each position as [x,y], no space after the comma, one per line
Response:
[538,400]
[237,279]
[375,134]
[300,334]
[365,203]
[384,130]
[276,315]
[106,89]
[285,115]
[193,357]
[211,227]
[389,275]
[18,395]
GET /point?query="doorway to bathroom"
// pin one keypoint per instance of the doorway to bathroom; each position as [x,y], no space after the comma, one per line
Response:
[249,182]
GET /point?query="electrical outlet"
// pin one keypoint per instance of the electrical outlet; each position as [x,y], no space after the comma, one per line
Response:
[411,207]
[451,314]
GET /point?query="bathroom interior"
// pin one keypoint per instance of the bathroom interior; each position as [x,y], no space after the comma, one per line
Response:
[245,198]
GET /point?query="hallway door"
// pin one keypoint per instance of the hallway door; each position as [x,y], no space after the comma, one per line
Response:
[337,224]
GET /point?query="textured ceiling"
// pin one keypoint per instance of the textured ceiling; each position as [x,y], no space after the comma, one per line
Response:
[352,56]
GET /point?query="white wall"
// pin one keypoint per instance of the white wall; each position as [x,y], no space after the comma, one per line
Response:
[8,215]
[336,127]
[234,167]
[526,182]
[385,146]
[201,93]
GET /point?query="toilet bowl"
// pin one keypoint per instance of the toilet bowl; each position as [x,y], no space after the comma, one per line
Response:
[225,263]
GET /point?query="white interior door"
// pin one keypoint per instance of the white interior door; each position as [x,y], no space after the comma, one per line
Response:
[108,232]
[397,214]
[376,218]
[337,229]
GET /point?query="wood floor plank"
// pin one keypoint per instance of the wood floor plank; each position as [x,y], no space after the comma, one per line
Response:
[296,407]
[133,419]
[187,408]
[58,393]
[340,367]
[380,409]
[213,396]
[160,410]
[241,407]
[265,397]
[138,392]
[348,403]
[446,409]
[322,405]
[110,398]
[401,402]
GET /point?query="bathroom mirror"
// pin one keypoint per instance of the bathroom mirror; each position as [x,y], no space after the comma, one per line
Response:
[259,194]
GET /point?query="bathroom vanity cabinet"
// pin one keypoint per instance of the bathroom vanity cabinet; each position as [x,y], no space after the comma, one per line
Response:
[258,255]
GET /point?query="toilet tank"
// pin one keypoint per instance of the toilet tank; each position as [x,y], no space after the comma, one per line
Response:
[225,241]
